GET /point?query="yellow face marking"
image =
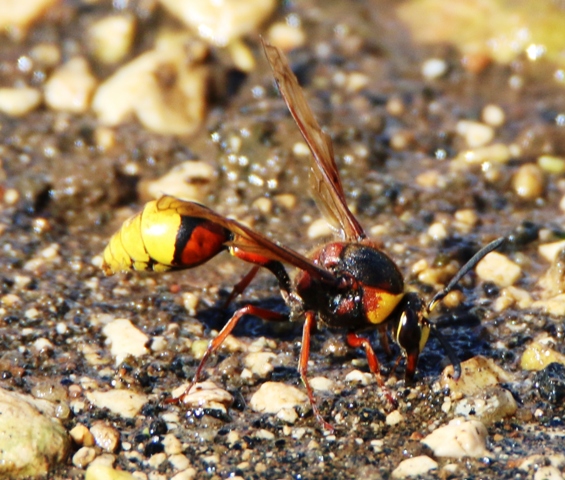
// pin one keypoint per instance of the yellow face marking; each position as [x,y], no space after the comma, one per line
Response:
[379,304]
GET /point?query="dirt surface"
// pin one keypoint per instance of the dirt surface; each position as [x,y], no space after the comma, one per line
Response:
[63,197]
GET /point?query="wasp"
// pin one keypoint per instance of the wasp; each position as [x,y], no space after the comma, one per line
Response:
[348,284]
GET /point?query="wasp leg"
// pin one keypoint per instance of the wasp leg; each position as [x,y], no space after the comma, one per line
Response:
[228,328]
[356,341]
[239,288]
[309,324]
[383,336]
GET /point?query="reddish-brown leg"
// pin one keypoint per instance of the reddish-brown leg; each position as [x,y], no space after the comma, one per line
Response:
[239,288]
[383,335]
[309,324]
[356,341]
[228,328]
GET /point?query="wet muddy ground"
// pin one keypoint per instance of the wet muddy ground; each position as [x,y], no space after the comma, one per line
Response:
[400,158]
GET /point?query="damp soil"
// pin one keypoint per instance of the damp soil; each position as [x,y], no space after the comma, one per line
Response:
[73,196]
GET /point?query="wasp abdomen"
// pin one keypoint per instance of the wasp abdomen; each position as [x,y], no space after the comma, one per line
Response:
[159,239]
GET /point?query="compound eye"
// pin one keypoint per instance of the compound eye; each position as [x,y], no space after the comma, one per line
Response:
[408,333]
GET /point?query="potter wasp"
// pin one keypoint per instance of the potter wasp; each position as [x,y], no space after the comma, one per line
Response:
[348,284]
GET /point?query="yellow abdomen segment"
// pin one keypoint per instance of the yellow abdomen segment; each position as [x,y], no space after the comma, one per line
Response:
[146,241]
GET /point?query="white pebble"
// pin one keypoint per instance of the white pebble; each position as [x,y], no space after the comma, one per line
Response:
[362,378]
[17,102]
[549,251]
[319,228]
[493,115]
[433,68]
[528,181]
[111,37]
[273,396]
[476,134]
[70,87]
[394,418]
[125,339]
[105,436]
[498,269]
[122,402]
[414,467]
[459,438]
[259,363]
[205,395]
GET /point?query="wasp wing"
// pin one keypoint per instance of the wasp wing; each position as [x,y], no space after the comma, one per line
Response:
[247,239]
[325,183]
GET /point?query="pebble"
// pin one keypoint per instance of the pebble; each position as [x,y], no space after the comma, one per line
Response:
[414,467]
[476,134]
[32,441]
[493,115]
[191,180]
[287,415]
[222,22]
[490,406]
[17,102]
[121,402]
[459,438]
[433,68]
[550,251]
[361,378]
[539,355]
[134,89]
[110,38]
[548,473]
[125,339]
[496,153]
[477,373]
[105,436]
[394,418]
[179,461]
[528,181]
[81,435]
[322,384]
[437,231]
[172,444]
[510,296]
[83,457]
[20,14]
[271,397]
[497,268]
[205,395]
[187,474]
[551,164]
[286,36]
[259,363]
[70,87]
[104,472]
[318,229]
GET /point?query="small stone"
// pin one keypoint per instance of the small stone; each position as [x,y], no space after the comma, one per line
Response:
[259,363]
[105,436]
[273,396]
[493,115]
[552,164]
[187,474]
[125,403]
[490,406]
[172,444]
[84,456]
[322,384]
[362,378]
[205,395]
[394,418]
[286,36]
[539,355]
[550,251]
[434,68]
[477,373]
[179,461]
[70,87]
[191,180]
[496,153]
[528,181]
[414,467]
[20,14]
[110,38]
[548,472]
[497,268]
[459,438]
[318,229]
[81,435]
[17,102]
[221,22]
[125,339]
[104,472]
[437,231]
[476,134]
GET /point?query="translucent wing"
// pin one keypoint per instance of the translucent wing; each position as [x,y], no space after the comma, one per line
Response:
[325,183]
[247,239]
